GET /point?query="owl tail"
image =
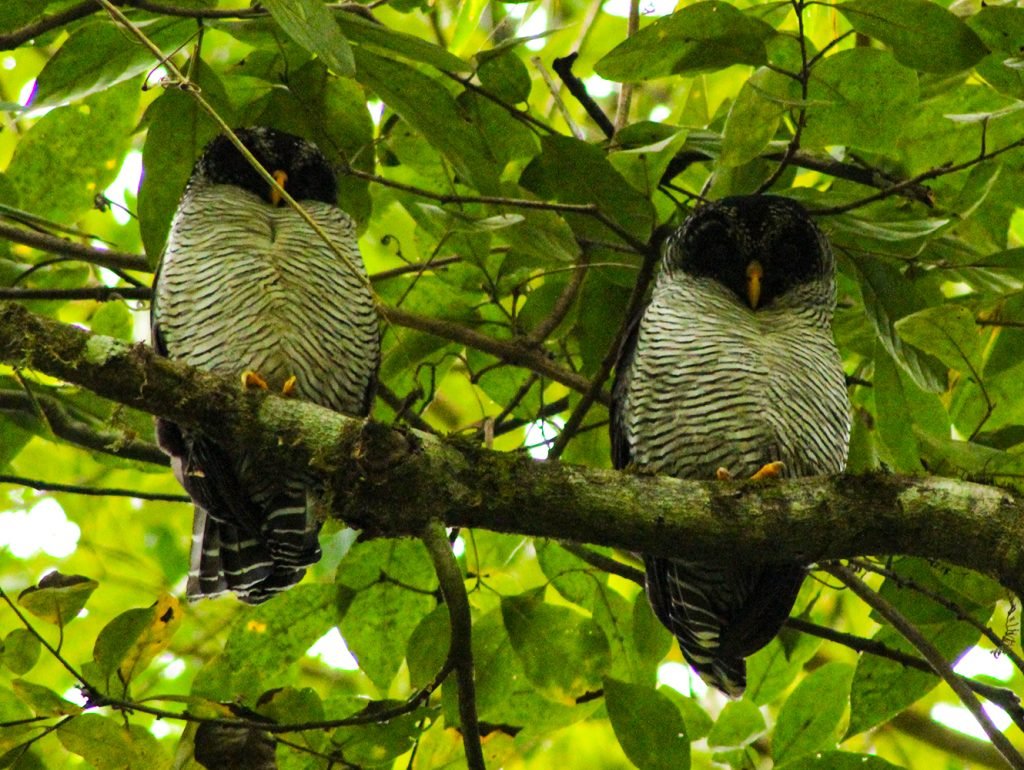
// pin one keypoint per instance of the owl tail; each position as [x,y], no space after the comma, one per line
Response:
[721,614]
[253,547]
[226,558]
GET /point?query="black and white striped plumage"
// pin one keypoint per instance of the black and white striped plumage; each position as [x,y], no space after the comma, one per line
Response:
[246,285]
[714,376]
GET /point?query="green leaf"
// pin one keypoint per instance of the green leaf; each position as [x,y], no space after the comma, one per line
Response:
[754,116]
[571,171]
[107,745]
[378,625]
[118,637]
[839,760]
[264,641]
[563,652]
[1001,29]
[893,410]
[21,650]
[649,727]
[178,131]
[810,718]
[72,153]
[947,332]
[58,598]
[703,36]
[44,701]
[773,668]
[99,54]
[888,297]
[882,688]
[912,28]
[861,98]
[505,76]
[650,637]
[428,647]
[310,24]
[396,43]
[113,319]
[740,724]
[572,577]
[426,105]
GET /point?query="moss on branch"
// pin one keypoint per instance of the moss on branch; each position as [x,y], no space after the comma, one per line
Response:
[393,482]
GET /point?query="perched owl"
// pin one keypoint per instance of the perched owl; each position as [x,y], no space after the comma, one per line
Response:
[732,366]
[247,288]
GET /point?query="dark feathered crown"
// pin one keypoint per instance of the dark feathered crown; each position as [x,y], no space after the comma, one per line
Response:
[309,174]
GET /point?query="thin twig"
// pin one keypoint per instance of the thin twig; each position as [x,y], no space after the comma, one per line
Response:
[74,489]
[935,659]
[605,563]
[575,420]
[1004,697]
[510,351]
[54,245]
[15,38]
[460,650]
[564,302]
[76,431]
[626,89]
[95,293]
[538,64]
[952,606]
[563,68]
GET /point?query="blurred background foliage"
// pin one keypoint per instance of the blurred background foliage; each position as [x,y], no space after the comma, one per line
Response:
[491,204]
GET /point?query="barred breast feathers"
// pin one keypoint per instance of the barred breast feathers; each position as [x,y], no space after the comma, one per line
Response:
[248,286]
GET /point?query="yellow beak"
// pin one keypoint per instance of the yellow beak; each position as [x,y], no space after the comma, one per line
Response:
[754,275]
[282,179]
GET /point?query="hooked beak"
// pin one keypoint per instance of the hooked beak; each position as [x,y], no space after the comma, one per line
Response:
[282,179]
[754,275]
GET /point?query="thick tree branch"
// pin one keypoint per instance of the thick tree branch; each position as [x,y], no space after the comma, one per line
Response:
[394,482]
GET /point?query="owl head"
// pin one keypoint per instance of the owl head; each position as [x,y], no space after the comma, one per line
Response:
[297,164]
[763,248]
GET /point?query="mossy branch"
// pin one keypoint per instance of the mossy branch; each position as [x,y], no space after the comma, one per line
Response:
[393,482]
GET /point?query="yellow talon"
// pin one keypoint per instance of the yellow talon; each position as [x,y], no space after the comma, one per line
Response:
[722,474]
[288,388]
[251,379]
[769,471]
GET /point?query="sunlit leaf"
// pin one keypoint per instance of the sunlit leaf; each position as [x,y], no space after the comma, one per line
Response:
[910,28]
[649,728]
[702,36]
[58,598]
[810,718]
[739,724]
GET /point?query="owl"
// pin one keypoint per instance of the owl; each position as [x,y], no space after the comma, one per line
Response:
[246,288]
[732,370]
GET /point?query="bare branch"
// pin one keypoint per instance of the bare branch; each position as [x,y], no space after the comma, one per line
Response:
[460,650]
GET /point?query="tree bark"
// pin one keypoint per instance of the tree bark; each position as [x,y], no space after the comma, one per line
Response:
[393,482]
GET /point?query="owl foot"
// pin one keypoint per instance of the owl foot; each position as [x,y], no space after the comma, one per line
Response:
[288,389]
[251,380]
[769,471]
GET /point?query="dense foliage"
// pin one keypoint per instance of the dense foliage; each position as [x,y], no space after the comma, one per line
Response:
[510,203]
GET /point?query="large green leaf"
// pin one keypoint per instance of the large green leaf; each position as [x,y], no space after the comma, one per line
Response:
[310,24]
[178,131]
[108,745]
[861,98]
[839,760]
[703,36]
[99,55]
[72,153]
[739,724]
[810,718]
[947,332]
[755,116]
[922,34]
[649,727]
[571,171]
[563,652]
[428,106]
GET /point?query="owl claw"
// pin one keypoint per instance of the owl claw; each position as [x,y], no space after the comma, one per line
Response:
[251,380]
[288,389]
[722,474]
[769,471]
